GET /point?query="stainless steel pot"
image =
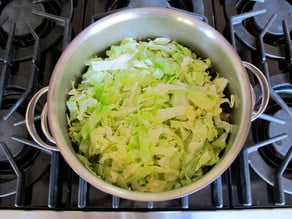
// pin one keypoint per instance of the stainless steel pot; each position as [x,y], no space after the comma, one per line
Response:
[141,23]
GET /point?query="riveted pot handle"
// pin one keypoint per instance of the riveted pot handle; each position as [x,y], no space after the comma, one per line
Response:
[265,88]
[29,119]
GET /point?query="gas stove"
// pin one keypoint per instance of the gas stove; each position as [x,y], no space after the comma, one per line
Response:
[33,34]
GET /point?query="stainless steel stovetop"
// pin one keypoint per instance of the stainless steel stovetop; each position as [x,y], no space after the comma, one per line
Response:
[35,182]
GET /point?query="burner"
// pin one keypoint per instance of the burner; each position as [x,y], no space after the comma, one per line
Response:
[32,162]
[16,11]
[259,14]
[275,129]
[42,16]
[8,130]
[274,153]
[283,10]
[267,159]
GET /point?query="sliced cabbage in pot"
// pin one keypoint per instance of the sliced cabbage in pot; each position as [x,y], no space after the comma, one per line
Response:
[149,116]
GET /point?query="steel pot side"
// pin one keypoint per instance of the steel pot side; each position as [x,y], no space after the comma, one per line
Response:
[142,23]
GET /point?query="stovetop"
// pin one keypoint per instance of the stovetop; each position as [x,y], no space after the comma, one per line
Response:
[34,33]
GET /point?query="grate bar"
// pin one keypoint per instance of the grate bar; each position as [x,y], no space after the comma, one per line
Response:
[217,192]
[115,202]
[150,205]
[54,192]
[64,22]
[6,69]
[276,97]
[237,19]
[273,119]
[288,47]
[245,183]
[31,144]
[19,196]
[34,72]
[82,193]
[279,194]
[185,202]
[261,37]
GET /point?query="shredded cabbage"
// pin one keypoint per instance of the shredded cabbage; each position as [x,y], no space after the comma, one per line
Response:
[149,116]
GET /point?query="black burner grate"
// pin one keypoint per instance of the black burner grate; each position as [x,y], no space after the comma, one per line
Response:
[57,187]
[255,24]
[24,164]
[250,19]
[46,18]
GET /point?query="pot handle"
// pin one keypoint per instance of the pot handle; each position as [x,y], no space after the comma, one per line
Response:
[29,120]
[264,85]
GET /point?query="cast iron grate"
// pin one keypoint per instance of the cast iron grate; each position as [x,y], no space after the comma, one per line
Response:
[268,20]
[271,154]
[23,162]
[48,19]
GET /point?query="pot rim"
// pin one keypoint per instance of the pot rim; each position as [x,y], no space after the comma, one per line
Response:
[69,154]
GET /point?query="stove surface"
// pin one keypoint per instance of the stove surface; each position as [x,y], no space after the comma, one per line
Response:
[39,180]
[221,214]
